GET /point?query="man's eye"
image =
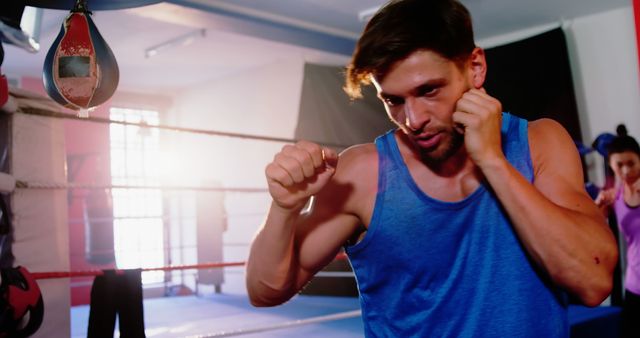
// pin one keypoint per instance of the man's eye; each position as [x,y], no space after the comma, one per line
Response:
[428,91]
[392,101]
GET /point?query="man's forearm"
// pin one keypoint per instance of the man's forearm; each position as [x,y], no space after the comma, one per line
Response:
[574,247]
[271,266]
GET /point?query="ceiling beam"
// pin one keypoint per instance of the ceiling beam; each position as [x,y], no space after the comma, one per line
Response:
[275,27]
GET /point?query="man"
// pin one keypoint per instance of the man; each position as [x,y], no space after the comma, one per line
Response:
[476,223]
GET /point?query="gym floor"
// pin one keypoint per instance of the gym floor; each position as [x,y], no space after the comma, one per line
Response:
[186,316]
[213,315]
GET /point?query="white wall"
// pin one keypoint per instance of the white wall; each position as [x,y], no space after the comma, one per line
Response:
[604,58]
[262,102]
[605,68]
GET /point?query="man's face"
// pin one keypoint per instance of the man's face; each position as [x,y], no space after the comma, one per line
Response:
[420,94]
[626,166]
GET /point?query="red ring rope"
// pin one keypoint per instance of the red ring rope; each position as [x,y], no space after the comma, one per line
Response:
[83,273]
[65,274]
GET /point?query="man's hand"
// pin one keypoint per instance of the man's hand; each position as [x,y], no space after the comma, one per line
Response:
[298,172]
[479,117]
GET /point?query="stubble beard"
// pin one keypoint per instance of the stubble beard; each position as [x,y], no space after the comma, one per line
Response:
[445,151]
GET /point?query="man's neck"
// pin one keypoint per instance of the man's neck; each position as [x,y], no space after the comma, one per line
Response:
[451,179]
[458,163]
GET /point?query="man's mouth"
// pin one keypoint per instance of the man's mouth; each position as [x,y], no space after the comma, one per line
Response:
[427,141]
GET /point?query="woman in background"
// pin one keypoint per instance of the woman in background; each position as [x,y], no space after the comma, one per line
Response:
[623,156]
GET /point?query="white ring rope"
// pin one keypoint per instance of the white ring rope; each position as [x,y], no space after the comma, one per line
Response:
[285,325]
[8,184]
[36,111]
[70,185]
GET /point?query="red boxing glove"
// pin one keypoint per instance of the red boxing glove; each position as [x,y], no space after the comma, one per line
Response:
[21,305]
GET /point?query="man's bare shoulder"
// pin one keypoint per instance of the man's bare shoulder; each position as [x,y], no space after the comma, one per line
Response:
[547,134]
[358,169]
[352,188]
[356,180]
[545,128]
[358,160]
[550,143]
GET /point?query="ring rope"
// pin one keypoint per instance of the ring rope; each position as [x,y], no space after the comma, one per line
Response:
[59,115]
[285,325]
[73,185]
[83,273]
[98,272]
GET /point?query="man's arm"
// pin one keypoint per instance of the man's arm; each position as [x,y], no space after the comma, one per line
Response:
[291,246]
[558,223]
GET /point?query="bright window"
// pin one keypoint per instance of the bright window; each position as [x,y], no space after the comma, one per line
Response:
[138,225]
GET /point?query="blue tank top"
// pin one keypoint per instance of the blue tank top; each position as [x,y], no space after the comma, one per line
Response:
[429,268]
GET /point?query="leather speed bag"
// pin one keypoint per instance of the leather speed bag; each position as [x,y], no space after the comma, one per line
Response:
[80,71]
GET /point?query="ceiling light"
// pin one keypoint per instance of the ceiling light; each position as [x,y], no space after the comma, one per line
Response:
[182,40]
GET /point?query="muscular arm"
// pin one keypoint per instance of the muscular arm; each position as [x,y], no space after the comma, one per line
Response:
[277,268]
[559,225]
[290,247]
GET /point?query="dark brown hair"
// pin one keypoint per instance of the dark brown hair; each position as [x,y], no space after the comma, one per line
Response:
[403,26]
[623,142]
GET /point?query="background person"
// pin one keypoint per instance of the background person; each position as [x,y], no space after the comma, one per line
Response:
[623,199]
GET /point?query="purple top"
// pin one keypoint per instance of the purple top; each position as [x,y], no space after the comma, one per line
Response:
[629,224]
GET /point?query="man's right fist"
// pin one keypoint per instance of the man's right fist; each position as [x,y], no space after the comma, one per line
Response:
[298,172]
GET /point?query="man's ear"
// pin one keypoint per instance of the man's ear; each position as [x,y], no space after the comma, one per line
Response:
[477,68]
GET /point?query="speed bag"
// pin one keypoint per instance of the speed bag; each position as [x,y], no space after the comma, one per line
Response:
[80,71]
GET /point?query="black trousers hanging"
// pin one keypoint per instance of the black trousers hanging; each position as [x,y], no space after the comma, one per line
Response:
[116,294]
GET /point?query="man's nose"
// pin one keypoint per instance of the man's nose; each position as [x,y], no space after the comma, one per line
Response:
[415,114]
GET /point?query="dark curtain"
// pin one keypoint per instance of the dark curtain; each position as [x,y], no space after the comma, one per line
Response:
[532,79]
